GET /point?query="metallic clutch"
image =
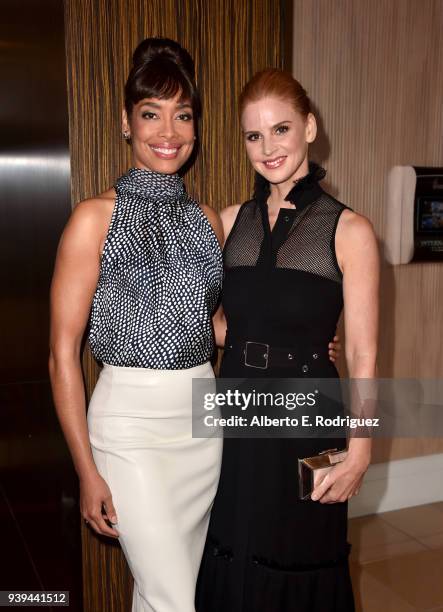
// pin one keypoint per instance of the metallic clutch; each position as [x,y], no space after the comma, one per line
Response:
[312,470]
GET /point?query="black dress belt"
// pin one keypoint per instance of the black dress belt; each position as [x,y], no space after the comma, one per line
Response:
[262,355]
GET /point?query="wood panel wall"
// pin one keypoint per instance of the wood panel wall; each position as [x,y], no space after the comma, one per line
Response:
[230,40]
[374,72]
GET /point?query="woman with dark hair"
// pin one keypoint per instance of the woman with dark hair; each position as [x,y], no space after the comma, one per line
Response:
[143,261]
[294,257]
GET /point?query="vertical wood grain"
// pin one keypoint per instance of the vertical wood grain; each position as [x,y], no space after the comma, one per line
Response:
[230,40]
[374,72]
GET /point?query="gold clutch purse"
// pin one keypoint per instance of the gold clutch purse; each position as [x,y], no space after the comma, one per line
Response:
[312,470]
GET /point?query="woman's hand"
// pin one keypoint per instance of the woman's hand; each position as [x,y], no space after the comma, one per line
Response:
[334,348]
[344,480]
[95,496]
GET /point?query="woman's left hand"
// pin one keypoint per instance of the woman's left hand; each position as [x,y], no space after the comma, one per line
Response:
[334,348]
[344,480]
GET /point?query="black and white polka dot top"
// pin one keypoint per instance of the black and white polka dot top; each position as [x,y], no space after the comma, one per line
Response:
[160,277]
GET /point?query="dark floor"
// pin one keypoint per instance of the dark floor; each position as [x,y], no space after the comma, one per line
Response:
[39,514]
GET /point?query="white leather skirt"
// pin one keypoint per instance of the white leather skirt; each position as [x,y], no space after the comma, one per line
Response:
[163,481]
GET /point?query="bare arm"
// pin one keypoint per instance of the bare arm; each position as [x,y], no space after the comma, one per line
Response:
[228,216]
[220,326]
[218,319]
[357,255]
[73,285]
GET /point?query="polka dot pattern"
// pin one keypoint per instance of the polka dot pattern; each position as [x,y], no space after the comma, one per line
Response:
[160,277]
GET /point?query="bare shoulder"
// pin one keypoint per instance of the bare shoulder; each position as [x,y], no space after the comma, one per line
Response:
[355,241]
[210,212]
[228,216]
[95,208]
[214,219]
[354,228]
[230,212]
[90,219]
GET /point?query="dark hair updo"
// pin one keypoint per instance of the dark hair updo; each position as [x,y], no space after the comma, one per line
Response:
[161,69]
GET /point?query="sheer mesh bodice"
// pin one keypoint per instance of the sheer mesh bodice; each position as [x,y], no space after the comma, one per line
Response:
[308,245]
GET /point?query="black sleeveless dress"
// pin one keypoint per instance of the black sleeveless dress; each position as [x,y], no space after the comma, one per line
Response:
[267,551]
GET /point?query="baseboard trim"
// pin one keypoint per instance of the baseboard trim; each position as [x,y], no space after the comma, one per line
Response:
[399,484]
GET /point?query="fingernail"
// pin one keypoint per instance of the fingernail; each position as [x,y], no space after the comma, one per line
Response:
[113,519]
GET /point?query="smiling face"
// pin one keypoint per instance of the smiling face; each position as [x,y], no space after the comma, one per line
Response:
[277,139]
[162,133]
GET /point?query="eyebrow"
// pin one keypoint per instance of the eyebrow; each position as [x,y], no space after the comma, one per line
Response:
[180,105]
[273,127]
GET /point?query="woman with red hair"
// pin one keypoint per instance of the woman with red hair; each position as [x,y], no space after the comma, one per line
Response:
[294,258]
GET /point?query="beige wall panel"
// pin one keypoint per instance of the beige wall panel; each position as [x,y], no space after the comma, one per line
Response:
[374,71]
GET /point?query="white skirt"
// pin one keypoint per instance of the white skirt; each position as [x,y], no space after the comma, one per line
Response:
[162,480]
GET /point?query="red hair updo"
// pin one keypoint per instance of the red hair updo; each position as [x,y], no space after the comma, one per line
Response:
[278,84]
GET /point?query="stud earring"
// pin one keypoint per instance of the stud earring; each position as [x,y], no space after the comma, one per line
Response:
[126,135]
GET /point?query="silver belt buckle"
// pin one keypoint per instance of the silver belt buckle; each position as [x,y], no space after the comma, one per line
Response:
[265,355]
